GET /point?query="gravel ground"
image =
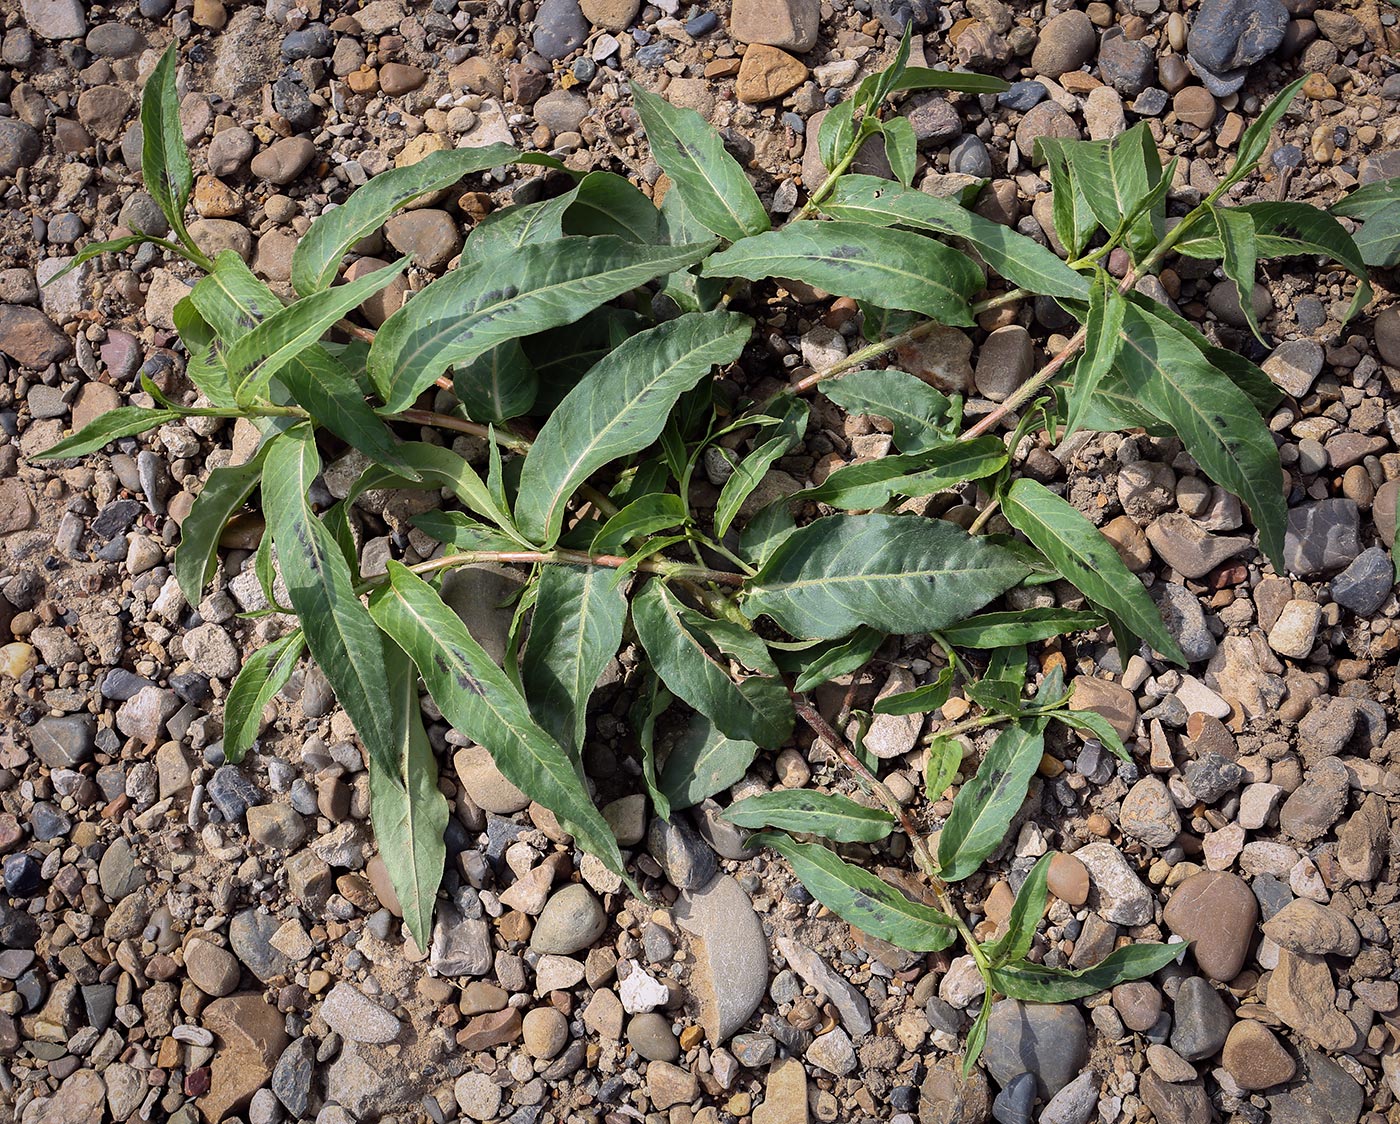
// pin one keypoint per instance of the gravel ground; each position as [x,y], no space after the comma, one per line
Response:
[185,939]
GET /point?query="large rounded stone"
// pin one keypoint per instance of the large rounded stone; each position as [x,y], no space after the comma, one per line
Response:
[1067,42]
[572,920]
[1255,1058]
[1216,911]
[1045,1039]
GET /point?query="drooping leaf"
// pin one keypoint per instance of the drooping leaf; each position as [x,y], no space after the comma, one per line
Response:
[1255,140]
[748,474]
[165,158]
[121,422]
[343,639]
[498,385]
[675,638]
[1103,337]
[646,515]
[1024,917]
[652,701]
[690,151]
[479,699]
[830,815]
[576,629]
[605,203]
[899,574]
[317,257]
[901,148]
[1217,423]
[986,804]
[96,250]
[262,675]
[205,365]
[894,268]
[408,811]
[918,412]
[1021,626]
[860,898]
[703,762]
[259,354]
[921,700]
[476,307]
[1378,240]
[1235,229]
[224,492]
[941,765]
[1019,259]
[836,658]
[868,484]
[1087,560]
[1283,230]
[618,409]
[1035,983]
[1096,724]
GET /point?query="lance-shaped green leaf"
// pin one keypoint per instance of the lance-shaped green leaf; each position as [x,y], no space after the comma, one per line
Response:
[961,81]
[165,158]
[1284,230]
[231,299]
[899,574]
[1235,229]
[1024,917]
[97,249]
[836,658]
[893,268]
[479,699]
[434,467]
[262,675]
[205,365]
[512,227]
[576,629]
[690,151]
[342,638]
[618,409]
[941,765]
[1096,724]
[748,474]
[678,641]
[460,531]
[1019,259]
[225,491]
[474,308]
[1023,626]
[259,354]
[317,257]
[986,805]
[646,515]
[1035,983]
[1255,140]
[1070,211]
[1102,338]
[605,203]
[855,895]
[499,385]
[703,762]
[1377,207]
[830,815]
[868,484]
[837,134]
[1217,423]
[121,422]
[901,148]
[1116,176]
[1087,560]
[652,701]
[916,410]
[407,809]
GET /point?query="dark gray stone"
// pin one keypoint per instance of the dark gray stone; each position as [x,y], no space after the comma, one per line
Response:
[291,1077]
[1044,1039]
[64,742]
[1126,64]
[314,41]
[249,936]
[1201,1020]
[1323,1093]
[1185,620]
[115,518]
[1211,776]
[896,15]
[1023,95]
[684,857]
[233,793]
[1323,536]
[1229,36]
[1364,585]
[1015,1104]
[19,146]
[560,29]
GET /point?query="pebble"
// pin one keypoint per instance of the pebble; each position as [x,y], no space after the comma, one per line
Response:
[792,25]
[1075,1103]
[1200,1020]
[1305,926]
[214,970]
[1149,814]
[1322,537]
[833,1052]
[544,1032]
[1365,584]
[571,921]
[766,74]
[356,1017]
[1015,1103]
[560,29]
[650,1035]
[731,970]
[1255,1058]
[1067,42]
[1229,36]
[850,1004]
[1117,893]
[684,857]
[1217,913]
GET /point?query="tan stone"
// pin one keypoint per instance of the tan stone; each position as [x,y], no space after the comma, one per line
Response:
[252,1037]
[767,73]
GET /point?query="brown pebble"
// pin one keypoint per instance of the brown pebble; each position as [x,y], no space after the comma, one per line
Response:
[1068,879]
[1195,105]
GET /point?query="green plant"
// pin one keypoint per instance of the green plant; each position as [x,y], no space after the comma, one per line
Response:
[607,318]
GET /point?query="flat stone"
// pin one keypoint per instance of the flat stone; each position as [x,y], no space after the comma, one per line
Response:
[1295,631]
[1294,366]
[1217,913]
[571,921]
[560,29]
[1313,807]
[429,235]
[766,74]
[893,735]
[785,1095]
[1365,584]
[833,1052]
[1305,926]
[1255,1058]
[55,19]
[1189,549]
[1045,1039]
[1323,536]
[356,1017]
[64,742]
[611,15]
[850,1004]
[460,946]
[485,784]
[214,970]
[1048,119]
[730,977]
[684,857]
[80,1099]
[947,1097]
[1112,700]
[1075,1103]
[1067,42]
[249,936]
[1117,893]
[1200,1020]
[1149,814]
[669,1085]
[1302,993]
[495,1028]
[789,24]
[252,1037]
[30,338]
[1175,1103]
[1228,36]
[1323,1093]
[1363,842]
